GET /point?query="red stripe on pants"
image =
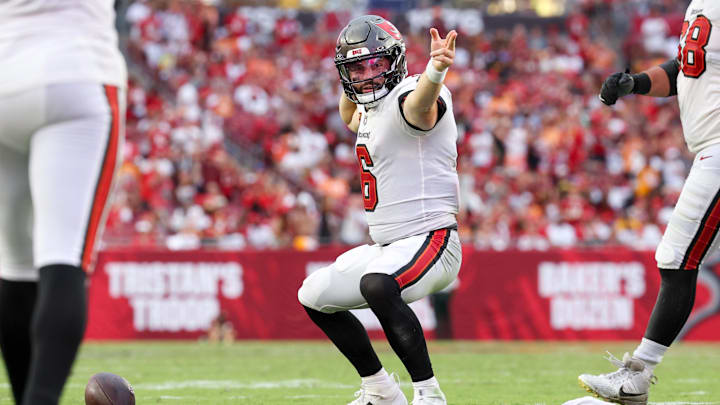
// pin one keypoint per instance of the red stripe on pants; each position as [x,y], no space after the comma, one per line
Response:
[102,190]
[428,255]
[706,235]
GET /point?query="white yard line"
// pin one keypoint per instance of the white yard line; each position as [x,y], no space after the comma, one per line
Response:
[231,384]
[312,396]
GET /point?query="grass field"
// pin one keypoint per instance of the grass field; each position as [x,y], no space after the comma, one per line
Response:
[314,373]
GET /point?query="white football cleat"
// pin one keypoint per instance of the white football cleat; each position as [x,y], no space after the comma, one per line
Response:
[629,385]
[380,394]
[429,396]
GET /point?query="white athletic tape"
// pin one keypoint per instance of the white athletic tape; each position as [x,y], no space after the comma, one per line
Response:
[433,74]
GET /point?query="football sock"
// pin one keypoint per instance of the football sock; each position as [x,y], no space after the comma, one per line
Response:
[17,300]
[399,322]
[429,383]
[379,378]
[58,326]
[650,352]
[350,337]
[673,306]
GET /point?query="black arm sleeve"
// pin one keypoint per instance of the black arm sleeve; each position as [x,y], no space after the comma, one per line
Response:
[672,68]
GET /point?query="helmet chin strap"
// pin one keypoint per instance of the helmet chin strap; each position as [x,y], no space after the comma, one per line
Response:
[372,99]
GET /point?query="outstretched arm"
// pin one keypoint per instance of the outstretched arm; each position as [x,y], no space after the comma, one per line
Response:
[420,108]
[658,81]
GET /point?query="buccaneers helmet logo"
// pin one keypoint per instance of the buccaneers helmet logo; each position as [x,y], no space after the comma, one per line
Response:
[390,29]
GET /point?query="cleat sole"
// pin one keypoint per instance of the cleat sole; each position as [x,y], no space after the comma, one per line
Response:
[613,400]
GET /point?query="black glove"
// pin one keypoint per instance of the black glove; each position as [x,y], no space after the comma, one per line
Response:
[616,85]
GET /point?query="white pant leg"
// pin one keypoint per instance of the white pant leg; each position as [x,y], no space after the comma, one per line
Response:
[20,116]
[337,287]
[73,159]
[443,268]
[16,258]
[421,264]
[692,230]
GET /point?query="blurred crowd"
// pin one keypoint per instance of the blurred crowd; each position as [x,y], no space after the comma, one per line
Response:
[234,139]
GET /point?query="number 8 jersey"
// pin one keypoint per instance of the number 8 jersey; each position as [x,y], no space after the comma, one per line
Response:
[698,82]
[409,177]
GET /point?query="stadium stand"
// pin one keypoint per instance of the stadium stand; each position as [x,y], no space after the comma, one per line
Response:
[234,140]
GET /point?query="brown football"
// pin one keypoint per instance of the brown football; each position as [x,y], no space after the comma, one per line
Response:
[109,389]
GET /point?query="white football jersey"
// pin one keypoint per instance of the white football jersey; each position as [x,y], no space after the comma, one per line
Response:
[409,176]
[58,41]
[698,83]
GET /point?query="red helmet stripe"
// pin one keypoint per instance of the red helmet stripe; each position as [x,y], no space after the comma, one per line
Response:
[390,29]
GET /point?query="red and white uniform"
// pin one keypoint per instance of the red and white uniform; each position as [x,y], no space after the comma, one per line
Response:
[62,104]
[409,176]
[692,231]
[410,192]
[699,80]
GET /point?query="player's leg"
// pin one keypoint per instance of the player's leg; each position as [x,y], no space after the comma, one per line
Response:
[327,295]
[691,233]
[349,336]
[20,116]
[409,270]
[18,282]
[72,162]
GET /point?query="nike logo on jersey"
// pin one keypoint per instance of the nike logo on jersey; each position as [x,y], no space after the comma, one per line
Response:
[624,394]
[705,157]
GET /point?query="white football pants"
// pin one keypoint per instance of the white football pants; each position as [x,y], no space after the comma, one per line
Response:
[422,265]
[59,148]
[693,227]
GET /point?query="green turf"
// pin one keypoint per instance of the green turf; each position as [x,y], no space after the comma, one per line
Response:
[315,373]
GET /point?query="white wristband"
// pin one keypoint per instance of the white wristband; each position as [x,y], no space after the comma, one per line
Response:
[433,74]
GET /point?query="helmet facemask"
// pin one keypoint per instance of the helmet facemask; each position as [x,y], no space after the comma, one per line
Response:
[363,81]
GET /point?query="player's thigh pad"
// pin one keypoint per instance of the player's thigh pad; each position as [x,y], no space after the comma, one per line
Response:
[692,230]
[422,264]
[73,158]
[337,287]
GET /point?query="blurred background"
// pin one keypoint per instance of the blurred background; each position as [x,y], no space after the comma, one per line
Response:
[239,178]
[234,140]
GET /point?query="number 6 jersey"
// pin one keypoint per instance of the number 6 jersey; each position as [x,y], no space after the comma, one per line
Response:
[698,82]
[409,178]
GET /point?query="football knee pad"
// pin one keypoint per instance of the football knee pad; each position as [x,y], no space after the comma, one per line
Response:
[378,286]
[312,288]
[666,256]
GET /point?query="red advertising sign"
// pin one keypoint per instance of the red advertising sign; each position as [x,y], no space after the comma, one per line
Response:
[589,294]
